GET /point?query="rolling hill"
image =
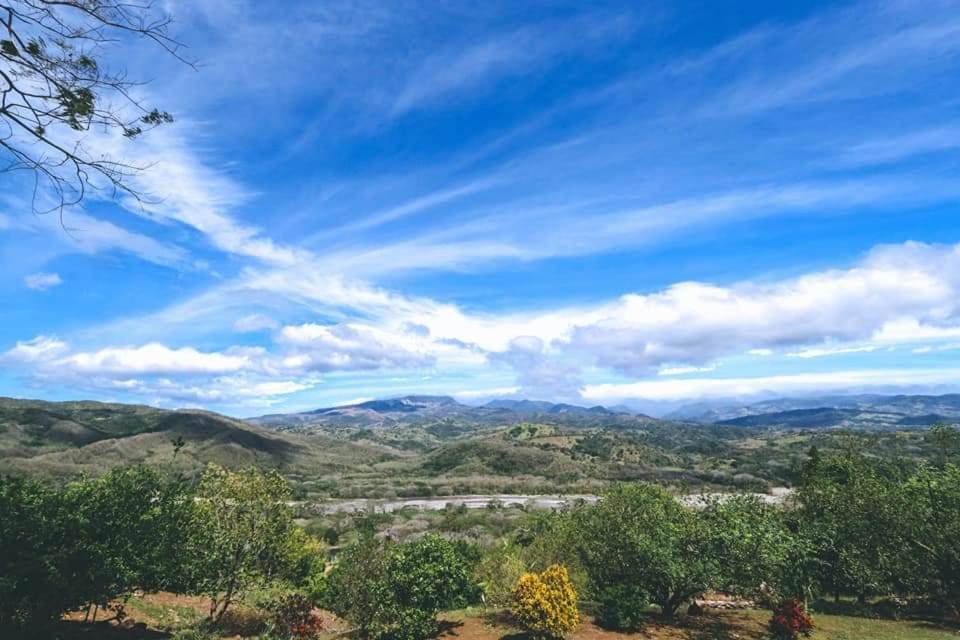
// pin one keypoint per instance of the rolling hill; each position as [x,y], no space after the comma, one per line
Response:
[67,438]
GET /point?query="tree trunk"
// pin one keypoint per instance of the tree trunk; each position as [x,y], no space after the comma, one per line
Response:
[227,598]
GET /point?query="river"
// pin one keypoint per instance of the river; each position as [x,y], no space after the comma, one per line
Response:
[389,505]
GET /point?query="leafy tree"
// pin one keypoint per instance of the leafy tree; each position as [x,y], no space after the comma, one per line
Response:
[91,542]
[396,590]
[852,513]
[422,579]
[640,545]
[946,443]
[933,530]
[352,589]
[33,551]
[242,530]
[55,87]
[751,542]
[127,527]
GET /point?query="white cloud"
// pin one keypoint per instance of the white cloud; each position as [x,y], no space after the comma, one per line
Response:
[181,187]
[830,351]
[349,347]
[42,281]
[693,388]
[37,350]
[907,330]
[679,371]
[900,292]
[254,322]
[503,233]
[154,358]
[475,66]
[692,323]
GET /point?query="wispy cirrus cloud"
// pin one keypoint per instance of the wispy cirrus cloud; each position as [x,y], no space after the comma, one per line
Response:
[42,281]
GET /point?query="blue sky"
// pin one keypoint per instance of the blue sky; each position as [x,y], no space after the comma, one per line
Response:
[611,202]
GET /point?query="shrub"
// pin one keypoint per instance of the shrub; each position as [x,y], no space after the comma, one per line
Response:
[790,621]
[351,590]
[292,617]
[621,606]
[545,604]
[395,591]
[498,572]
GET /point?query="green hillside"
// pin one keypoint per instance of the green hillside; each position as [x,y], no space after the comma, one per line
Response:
[67,438]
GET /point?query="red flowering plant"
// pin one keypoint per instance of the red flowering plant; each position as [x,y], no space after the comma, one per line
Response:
[292,617]
[790,620]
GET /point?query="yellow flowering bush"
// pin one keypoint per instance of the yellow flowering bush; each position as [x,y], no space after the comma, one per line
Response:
[545,604]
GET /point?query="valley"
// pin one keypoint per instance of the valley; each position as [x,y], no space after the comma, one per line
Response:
[418,447]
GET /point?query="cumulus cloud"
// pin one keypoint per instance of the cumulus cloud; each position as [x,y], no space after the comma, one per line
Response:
[42,281]
[692,323]
[902,294]
[538,375]
[348,347]
[154,358]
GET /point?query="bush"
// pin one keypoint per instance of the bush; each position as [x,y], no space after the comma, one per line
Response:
[395,591]
[790,621]
[497,573]
[545,604]
[621,606]
[292,617]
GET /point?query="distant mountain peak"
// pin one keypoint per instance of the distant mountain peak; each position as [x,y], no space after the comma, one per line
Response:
[420,409]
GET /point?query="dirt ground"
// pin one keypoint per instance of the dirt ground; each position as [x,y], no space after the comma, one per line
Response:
[715,625]
[155,616]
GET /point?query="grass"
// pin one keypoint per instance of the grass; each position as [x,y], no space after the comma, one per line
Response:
[474,624]
[831,627]
[164,614]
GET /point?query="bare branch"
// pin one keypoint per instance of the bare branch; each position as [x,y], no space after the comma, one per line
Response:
[53,89]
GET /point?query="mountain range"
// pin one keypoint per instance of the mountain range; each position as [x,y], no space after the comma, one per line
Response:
[419,410]
[852,411]
[817,412]
[402,445]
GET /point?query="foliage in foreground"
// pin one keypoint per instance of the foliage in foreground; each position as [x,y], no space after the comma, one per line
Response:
[640,545]
[241,529]
[88,543]
[545,604]
[291,617]
[396,590]
[96,541]
[790,620]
